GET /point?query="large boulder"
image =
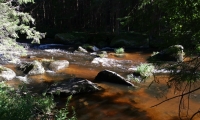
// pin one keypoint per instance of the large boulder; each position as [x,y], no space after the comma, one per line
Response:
[173,53]
[32,68]
[73,86]
[110,76]
[6,74]
[58,64]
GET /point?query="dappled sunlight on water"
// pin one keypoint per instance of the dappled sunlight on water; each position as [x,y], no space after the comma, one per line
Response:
[126,103]
[81,71]
[115,102]
[136,57]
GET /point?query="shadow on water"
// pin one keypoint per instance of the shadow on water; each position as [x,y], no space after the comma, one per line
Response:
[114,105]
[116,102]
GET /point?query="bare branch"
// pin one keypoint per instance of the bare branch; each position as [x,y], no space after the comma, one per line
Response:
[176,97]
[195,114]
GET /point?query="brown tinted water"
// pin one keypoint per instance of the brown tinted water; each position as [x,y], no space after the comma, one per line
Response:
[117,102]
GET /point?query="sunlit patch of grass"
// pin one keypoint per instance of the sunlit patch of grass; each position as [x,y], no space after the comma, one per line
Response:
[119,51]
[145,70]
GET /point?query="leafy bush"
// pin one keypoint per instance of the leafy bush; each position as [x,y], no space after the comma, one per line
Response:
[119,51]
[145,70]
[22,105]
[12,23]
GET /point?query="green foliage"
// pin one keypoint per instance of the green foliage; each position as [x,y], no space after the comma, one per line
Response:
[64,112]
[25,1]
[12,23]
[166,22]
[119,50]
[22,105]
[197,48]
[145,70]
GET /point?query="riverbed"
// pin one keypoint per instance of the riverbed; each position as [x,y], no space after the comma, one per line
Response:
[115,102]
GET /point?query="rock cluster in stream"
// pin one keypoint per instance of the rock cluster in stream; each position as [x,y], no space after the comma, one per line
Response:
[65,87]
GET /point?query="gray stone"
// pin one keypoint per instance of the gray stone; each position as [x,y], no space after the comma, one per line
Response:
[73,86]
[24,79]
[6,74]
[31,68]
[58,64]
[110,76]
[173,53]
[80,49]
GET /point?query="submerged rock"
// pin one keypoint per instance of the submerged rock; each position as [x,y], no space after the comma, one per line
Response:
[73,86]
[110,76]
[58,64]
[6,74]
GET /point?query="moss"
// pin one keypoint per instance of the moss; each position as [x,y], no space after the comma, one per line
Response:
[2,69]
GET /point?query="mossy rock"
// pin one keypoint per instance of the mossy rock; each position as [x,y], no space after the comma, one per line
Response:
[173,53]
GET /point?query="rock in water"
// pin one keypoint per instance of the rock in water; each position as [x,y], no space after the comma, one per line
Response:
[73,86]
[59,64]
[6,74]
[31,68]
[110,76]
[173,53]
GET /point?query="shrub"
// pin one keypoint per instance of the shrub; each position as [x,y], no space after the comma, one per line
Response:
[145,70]
[22,105]
[119,51]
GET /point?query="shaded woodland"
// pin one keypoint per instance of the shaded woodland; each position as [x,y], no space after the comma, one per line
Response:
[84,15]
[168,21]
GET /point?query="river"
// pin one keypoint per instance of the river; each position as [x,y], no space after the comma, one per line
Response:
[115,102]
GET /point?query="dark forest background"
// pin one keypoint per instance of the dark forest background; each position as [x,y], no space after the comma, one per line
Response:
[168,22]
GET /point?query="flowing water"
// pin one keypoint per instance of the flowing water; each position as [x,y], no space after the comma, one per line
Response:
[115,102]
